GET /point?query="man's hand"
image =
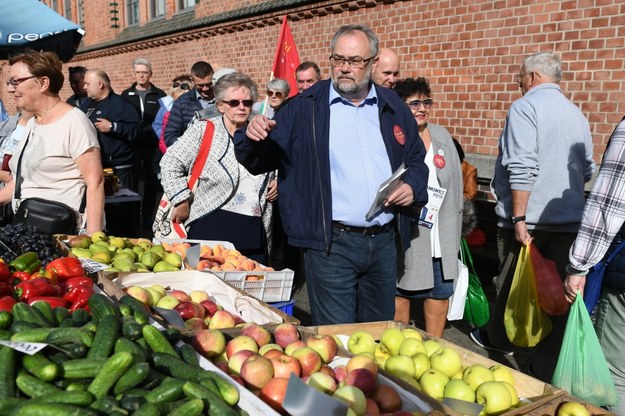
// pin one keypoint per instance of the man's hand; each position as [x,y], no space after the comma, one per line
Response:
[180,212]
[103,125]
[572,285]
[259,127]
[521,234]
[402,196]
[272,190]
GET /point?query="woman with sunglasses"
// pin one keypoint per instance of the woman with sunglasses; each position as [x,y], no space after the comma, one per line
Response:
[278,90]
[181,84]
[229,203]
[431,262]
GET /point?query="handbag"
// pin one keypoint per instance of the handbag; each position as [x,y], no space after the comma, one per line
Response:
[50,217]
[164,226]
[458,299]
[476,307]
[594,279]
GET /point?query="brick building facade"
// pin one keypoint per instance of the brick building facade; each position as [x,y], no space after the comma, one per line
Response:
[469,49]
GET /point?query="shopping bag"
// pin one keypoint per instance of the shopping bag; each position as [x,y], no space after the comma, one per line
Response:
[458,298]
[551,295]
[164,226]
[582,369]
[594,279]
[526,323]
[476,307]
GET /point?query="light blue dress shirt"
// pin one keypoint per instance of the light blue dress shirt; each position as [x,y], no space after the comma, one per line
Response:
[3,112]
[359,162]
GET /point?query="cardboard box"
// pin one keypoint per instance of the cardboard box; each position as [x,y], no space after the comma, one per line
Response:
[550,407]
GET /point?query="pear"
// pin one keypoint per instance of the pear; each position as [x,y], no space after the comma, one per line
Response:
[124,264]
[163,266]
[99,236]
[117,242]
[80,241]
[83,253]
[101,257]
[150,259]
[174,259]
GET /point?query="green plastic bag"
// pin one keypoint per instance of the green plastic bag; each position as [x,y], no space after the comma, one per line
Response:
[476,308]
[525,321]
[582,369]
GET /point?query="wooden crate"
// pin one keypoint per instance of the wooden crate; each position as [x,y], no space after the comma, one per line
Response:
[551,406]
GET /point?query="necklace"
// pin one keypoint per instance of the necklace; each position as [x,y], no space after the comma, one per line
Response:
[47,112]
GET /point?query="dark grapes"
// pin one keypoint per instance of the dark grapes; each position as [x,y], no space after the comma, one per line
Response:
[22,238]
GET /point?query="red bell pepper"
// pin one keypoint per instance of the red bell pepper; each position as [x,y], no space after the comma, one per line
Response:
[6,289]
[21,276]
[77,293]
[39,286]
[78,281]
[5,273]
[66,267]
[53,301]
[80,304]
[6,303]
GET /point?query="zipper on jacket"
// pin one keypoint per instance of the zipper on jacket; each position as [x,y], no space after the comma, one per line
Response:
[323,211]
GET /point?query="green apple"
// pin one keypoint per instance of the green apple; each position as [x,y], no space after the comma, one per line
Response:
[421,364]
[411,346]
[391,340]
[513,393]
[153,296]
[412,381]
[160,289]
[477,374]
[458,389]
[353,397]
[431,346]
[361,341]
[433,383]
[168,302]
[380,355]
[572,409]
[400,365]
[494,396]
[446,360]
[460,372]
[502,373]
[412,333]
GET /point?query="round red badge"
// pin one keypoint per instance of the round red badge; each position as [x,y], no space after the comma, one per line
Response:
[439,161]
[399,135]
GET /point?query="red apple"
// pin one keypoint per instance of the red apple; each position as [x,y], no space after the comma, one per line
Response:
[195,324]
[242,342]
[186,310]
[340,372]
[222,319]
[293,346]
[324,345]
[261,335]
[284,365]
[180,295]
[209,342]
[201,312]
[272,353]
[210,307]
[386,398]
[256,371]
[262,350]
[361,378]
[238,320]
[285,333]
[372,408]
[309,360]
[326,369]
[362,361]
[273,393]
[236,361]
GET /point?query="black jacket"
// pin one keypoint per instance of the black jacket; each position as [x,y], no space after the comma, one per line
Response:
[117,146]
[147,137]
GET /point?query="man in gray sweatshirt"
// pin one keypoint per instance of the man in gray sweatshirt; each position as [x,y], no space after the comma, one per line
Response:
[545,158]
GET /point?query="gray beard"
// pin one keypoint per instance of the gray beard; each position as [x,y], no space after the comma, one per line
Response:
[352,91]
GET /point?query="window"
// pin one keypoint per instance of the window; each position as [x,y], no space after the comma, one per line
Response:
[132,12]
[80,15]
[55,5]
[185,4]
[67,9]
[157,8]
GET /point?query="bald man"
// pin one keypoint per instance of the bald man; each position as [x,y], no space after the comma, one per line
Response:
[386,68]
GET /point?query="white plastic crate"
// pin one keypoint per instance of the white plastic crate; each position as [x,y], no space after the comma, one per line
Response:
[273,286]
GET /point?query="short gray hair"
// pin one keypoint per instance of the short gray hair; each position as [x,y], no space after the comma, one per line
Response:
[142,61]
[279,84]
[349,29]
[235,80]
[545,63]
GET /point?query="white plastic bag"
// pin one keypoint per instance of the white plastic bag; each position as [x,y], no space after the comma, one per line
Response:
[459,297]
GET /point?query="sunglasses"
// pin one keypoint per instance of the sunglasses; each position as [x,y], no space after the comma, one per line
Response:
[182,85]
[236,103]
[415,104]
[275,94]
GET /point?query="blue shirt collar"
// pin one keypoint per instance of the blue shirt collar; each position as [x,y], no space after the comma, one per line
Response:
[371,99]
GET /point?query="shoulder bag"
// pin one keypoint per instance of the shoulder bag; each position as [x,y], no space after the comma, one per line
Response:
[164,226]
[594,279]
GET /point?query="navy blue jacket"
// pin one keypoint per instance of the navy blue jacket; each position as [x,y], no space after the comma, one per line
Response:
[299,148]
[151,106]
[181,114]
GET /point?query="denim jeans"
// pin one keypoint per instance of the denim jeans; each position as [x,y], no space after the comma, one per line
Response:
[355,282]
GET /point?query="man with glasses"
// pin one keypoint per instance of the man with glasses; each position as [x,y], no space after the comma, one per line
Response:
[144,96]
[386,68]
[334,144]
[199,98]
[306,75]
[545,158]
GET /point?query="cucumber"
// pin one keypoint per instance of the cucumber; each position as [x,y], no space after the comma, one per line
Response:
[228,392]
[80,317]
[82,368]
[134,376]
[106,406]
[175,367]
[75,350]
[60,314]
[193,407]
[5,334]
[111,371]
[52,409]
[78,386]
[216,404]
[33,387]
[136,305]
[168,391]
[20,326]
[78,398]
[154,379]
[60,336]
[32,335]
[133,393]
[138,353]
[45,309]
[25,312]
[8,404]
[90,326]
[189,355]
[141,318]
[102,306]
[131,329]
[131,403]
[157,341]
[6,319]
[106,335]
[8,368]
[125,310]
[173,335]
[147,409]
[39,366]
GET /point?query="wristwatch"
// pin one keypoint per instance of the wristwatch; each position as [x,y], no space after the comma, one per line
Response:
[514,219]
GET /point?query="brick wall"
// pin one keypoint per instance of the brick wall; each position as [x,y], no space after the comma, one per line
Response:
[469,50]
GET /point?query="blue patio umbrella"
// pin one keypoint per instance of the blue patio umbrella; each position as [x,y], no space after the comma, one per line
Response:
[31,24]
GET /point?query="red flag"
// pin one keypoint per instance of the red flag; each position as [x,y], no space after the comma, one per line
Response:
[286,59]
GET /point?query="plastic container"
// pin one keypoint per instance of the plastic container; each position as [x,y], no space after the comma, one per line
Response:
[286,307]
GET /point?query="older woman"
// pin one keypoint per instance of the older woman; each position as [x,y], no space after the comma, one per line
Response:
[431,262]
[278,90]
[59,149]
[229,202]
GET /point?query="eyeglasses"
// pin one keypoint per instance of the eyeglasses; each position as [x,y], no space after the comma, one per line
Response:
[143,72]
[15,82]
[182,85]
[236,103]
[277,94]
[356,62]
[416,104]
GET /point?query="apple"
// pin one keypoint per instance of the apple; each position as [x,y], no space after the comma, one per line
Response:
[210,307]
[272,353]
[339,343]
[198,296]
[195,324]
[412,333]
[138,293]
[421,364]
[513,393]
[221,320]
[326,369]
[458,389]
[340,372]
[477,374]
[324,345]
[167,302]
[361,361]
[391,340]
[502,373]
[494,396]
[273,393]
[431,346]
[322,382]
[411,346]
[285,333]
[293,346]
[400,365]
[361,341]
[309,360]
[362,378]
[387,399]
[380,356]
[209,342]
[160,289]
[241,342]
[180,295]
[353,397]
[372,408]
[411,381]
[572,409]
[237,359]
[268,347]
[284,365]
[459,374]
[256,371]
[261,335]
[433,383]
[186,310]
[153,296]
[446,360]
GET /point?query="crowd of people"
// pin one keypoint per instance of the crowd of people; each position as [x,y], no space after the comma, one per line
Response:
[319,158]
